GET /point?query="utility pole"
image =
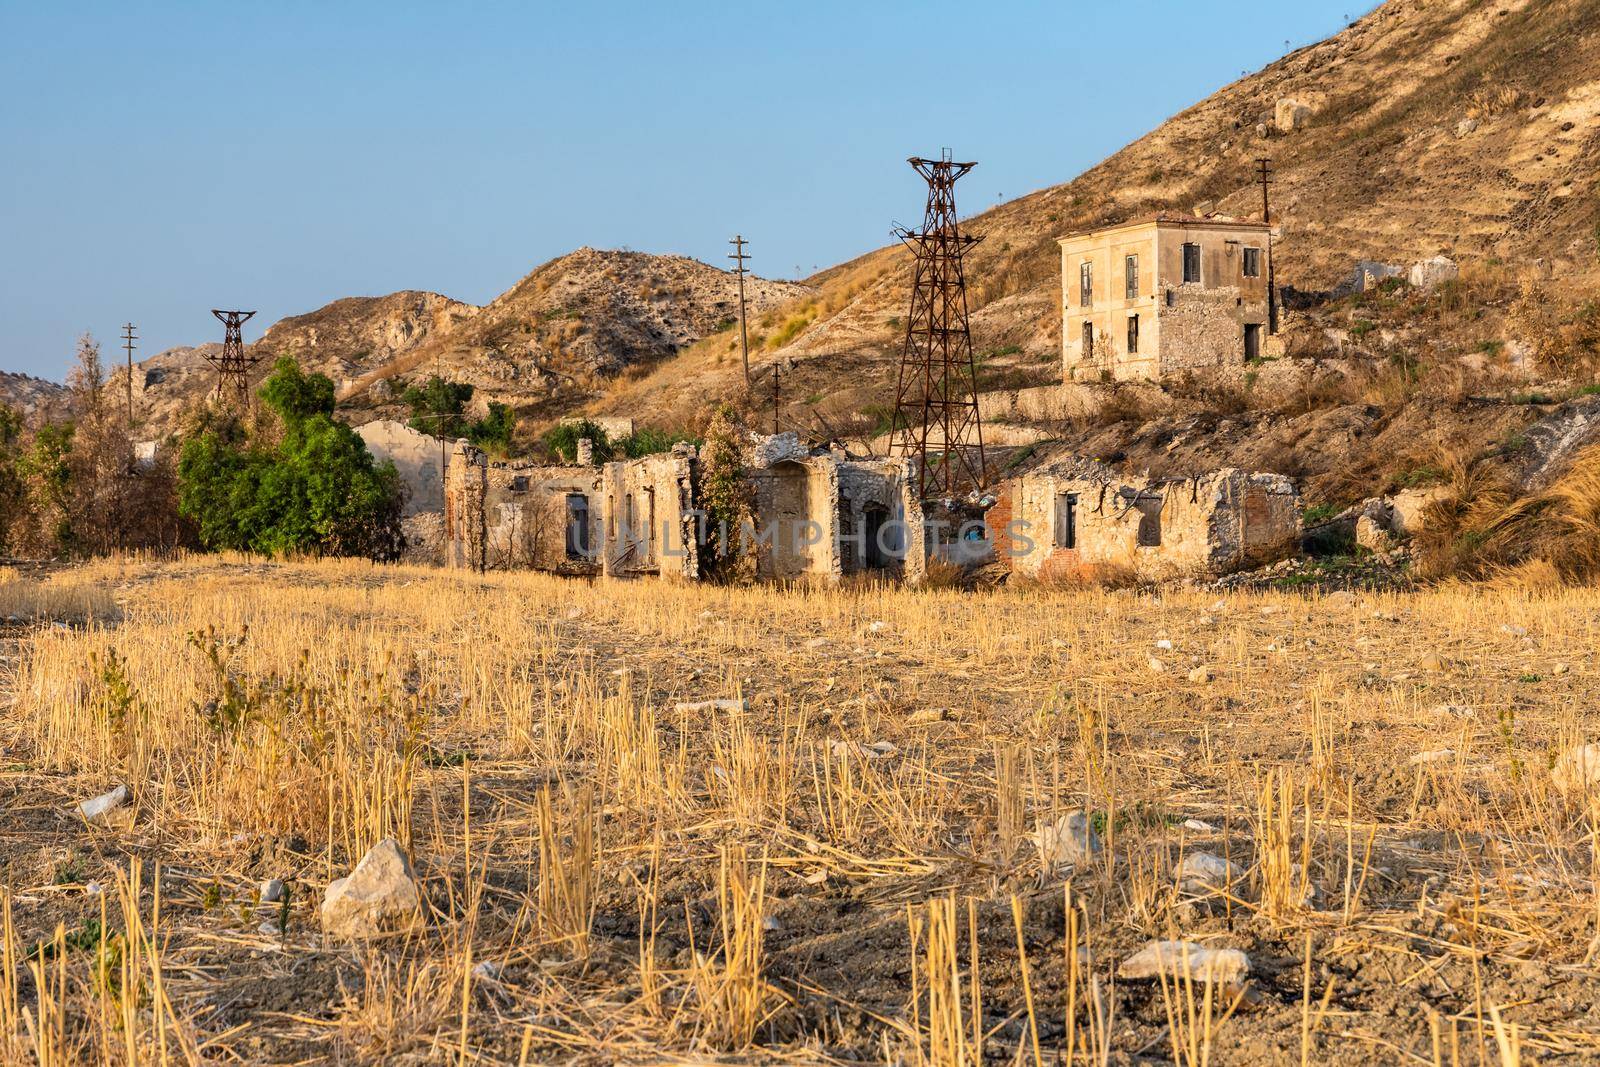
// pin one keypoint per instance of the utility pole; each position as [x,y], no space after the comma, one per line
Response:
[1264,176]
[775,371]
[233,363]
[738,256]
[128,337]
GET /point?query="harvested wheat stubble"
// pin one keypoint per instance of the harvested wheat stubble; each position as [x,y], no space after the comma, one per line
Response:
[637,836]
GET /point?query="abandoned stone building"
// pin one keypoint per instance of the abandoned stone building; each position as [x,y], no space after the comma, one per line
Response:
[819,515]
[1154,298]
[1077,517]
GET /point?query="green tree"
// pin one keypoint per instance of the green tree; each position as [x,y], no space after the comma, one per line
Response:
[493,432]
[438,407]
[563,441]
[313,487]
[13,491]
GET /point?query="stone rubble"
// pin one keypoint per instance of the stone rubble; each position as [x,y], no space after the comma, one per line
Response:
[380,896]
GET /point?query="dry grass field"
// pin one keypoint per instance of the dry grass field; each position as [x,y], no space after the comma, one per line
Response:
[854,858]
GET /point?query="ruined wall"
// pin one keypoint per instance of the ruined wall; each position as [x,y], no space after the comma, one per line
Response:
[880,519]
[796,520]
[527,516]
[1214,524]
[466,483]
[416,457]
[650,527]
[1204,328]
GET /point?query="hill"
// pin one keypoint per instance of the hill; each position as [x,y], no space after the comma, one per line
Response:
[1426,127]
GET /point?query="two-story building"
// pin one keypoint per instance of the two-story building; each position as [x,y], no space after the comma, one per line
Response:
[1159,296]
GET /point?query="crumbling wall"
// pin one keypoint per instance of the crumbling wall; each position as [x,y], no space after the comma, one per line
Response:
[527,516]
[1212,524]
[466,484]
[880,520]
[796,519]
[416,457]
[650,524]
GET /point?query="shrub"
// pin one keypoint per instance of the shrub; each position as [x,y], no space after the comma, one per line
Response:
[313,487]
[438,406]
[563,441]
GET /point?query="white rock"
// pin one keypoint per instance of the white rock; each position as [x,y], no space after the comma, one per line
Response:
[1200,675]
[770,923]
[1466,126]
[1206,870]
[1207,620]
[574,612]
[272,891]
[690,707]
[1577,769]
[1198,826]
[1432,755]
[1291,114]
[1068,842]
[877,626]
[1225,966]
[1342,598]
[1560,668]
[1427,273]
[96,809]
[1164,645]
[1157,666]
[94,889]
[380,895]
[269,928]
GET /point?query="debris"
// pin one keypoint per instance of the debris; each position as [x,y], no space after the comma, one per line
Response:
[1068,842]
[1432,755]
[691,707]
[1342,598]
[1164,645]
[876,750]
[380,895]
[1201,675]
[98,808]
[1226,966]
[1200,871]
[877,626]
[272,891]
[1291,115]
[1432,662]
[487,971]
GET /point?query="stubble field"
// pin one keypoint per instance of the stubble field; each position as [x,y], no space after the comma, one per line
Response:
[652,823]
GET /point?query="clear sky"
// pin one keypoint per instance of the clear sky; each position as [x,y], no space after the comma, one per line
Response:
[159,159]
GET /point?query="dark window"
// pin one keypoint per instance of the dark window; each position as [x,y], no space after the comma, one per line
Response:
[1130,277]
[1191,262]
[577,526]
[1085,284]
[1067,520]
[1150,521]
[1172,298]
[1133,335]
[873,521]
[1088,340]
[1252,262]
[1252,341]
[519,484]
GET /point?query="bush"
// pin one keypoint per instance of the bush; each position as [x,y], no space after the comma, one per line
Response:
[313,487]
[563,441]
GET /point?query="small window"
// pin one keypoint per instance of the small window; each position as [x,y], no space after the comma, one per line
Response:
[1150,521]
[1252,342]
[1172,298]
[1133,335]
[1191,262]
[1067,520]
[1130,278]
[577,526]
[1085,284]
[519,484]
[1088,340]
[1252,262]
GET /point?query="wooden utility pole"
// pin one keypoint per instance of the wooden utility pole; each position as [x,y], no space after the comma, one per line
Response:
[128,337]
[738,256]
[1264,176]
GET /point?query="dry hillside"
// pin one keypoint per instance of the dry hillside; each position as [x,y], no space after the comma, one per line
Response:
[1435,126]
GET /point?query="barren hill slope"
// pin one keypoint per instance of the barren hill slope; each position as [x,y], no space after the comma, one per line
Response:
[1456,126]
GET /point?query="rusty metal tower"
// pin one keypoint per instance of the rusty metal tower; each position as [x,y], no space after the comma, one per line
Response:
[233,363]
[936,402]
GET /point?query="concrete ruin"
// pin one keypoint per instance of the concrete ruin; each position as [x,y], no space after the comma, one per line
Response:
[1077,517]
[818,515]
[416,457]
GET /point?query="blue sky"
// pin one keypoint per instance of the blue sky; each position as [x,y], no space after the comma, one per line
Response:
[161,159]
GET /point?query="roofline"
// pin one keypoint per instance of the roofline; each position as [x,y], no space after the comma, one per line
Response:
[1170,221]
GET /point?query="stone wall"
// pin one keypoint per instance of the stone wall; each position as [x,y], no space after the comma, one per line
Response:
[416,458]
[1219,522]
[466,484]
[1204,328]
[528,517]
[649,521]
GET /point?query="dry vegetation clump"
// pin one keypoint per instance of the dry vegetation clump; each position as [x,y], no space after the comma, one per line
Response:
[743,824]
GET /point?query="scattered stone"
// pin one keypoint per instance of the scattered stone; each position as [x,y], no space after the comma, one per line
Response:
[1199,826]
[96,809]
[691,707]
[1372,535]
[1270,609]
[876,750]
[1342,598]
[817,642]
[1514,631]
[1201,871]
[1577,769]
[1427,273]
[574,612]
[380,895]
[272,891]
[1433,755]
[1157,666]
[1459,711]
[487,971]
[1466,126]
[1068,842]
[928,716]
[270,928]
[1207,620]
[1164,645]
[1224,966]
[1201,675]
[1560,668]
[1291,115]
[704,615]
[877,626]
[770,923]
[1432,662]
[1262,130]
[94,889]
